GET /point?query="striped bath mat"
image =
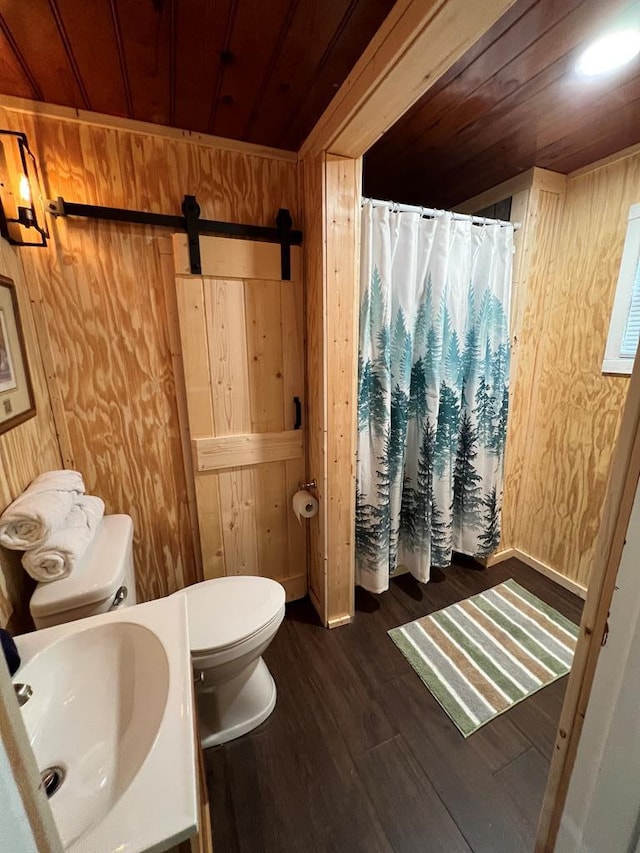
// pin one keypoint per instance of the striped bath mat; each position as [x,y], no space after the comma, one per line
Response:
[483,655]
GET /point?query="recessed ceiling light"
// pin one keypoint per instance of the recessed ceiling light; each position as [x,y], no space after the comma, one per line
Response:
[609,52]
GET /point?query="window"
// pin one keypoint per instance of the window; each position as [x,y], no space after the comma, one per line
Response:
[499,210]
[624,330]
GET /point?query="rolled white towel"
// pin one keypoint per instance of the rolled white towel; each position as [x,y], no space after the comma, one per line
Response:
[39,510]
[58,556]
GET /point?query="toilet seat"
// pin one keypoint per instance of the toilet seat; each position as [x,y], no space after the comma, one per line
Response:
[224,613]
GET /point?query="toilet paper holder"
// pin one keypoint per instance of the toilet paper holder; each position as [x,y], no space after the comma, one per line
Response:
[312,484]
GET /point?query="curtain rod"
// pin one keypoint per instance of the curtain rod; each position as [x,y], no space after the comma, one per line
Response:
[432,212]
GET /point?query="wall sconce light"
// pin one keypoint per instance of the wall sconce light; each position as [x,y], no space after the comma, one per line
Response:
[21,204]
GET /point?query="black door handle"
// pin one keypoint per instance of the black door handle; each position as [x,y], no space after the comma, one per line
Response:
[298,405]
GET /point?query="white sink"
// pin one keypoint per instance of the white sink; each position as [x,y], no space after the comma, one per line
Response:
[112,707]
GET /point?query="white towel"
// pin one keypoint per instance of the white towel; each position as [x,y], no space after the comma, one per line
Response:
[66,545]
[39,510]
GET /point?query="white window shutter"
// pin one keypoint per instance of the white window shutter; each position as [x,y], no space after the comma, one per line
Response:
[624,328]
[632,328]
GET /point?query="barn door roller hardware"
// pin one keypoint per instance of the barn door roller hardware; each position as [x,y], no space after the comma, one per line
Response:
[194,226]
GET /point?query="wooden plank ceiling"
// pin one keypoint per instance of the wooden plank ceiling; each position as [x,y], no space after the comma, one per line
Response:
[512,102]
[258,71]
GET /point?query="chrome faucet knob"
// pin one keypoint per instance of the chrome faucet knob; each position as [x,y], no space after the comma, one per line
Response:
[24,692]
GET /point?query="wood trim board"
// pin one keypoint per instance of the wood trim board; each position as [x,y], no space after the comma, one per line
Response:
[607,161]
[498,557]
[340,620]
[311,180]
[539,566]
[343,178]
[165,251]
[237,451]
[551,573]
[222,257]
[295,587]
[202,842]
[93,119]
[333,184]
[541,179]
[418,42]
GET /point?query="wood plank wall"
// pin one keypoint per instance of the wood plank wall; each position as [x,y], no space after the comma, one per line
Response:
[104,314]
[25,451]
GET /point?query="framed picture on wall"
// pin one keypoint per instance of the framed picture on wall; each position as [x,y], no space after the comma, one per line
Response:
[16,393]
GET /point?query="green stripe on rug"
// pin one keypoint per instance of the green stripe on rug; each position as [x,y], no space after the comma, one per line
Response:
[549,611]
[535,649]
[480,659]
[437,687]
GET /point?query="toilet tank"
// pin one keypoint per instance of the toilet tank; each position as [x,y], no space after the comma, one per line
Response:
[102,580]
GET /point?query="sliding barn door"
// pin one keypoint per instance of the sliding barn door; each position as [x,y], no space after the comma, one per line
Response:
[241,331]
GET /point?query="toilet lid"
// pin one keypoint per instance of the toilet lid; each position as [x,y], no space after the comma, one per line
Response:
[224,611]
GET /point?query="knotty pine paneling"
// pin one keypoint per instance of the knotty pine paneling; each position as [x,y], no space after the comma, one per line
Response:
[105,313]
[25,451]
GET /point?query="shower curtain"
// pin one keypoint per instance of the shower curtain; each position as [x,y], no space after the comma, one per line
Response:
[433,391]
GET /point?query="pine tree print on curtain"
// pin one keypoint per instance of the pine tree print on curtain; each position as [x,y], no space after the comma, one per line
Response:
[433,391]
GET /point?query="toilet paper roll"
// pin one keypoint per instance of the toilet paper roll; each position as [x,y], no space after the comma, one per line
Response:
[304,505]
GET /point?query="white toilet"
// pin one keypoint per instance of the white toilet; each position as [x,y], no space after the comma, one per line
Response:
[231,620]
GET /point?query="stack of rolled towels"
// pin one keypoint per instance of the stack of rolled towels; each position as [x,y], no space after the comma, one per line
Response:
[53,521]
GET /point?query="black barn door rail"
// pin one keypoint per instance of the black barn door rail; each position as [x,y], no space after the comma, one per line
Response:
[190,222]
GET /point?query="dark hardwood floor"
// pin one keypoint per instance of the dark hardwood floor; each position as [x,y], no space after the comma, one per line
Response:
[358,757]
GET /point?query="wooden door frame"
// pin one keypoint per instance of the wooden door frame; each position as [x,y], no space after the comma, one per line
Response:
[416,44]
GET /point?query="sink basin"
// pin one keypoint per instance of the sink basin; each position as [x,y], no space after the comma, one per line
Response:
[99,698]
[111,708]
